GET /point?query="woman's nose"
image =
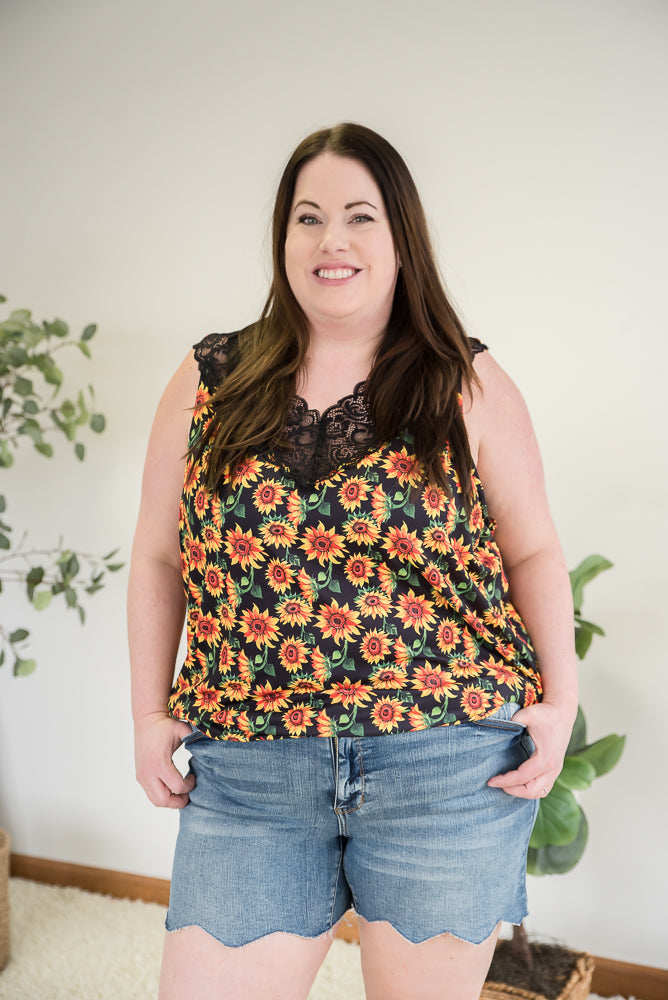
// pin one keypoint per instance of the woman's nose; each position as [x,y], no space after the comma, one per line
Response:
[334,237]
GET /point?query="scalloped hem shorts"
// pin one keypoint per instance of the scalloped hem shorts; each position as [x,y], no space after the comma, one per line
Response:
[286,835]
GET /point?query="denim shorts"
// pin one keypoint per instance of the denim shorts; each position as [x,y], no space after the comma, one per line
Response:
[286,835]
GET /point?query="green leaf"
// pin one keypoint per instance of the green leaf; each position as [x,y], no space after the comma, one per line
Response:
[21,315]
[79,451]
[114,567]
[58,328]
[17,356]
[84,348]
[579,734]
[590,626]
[89,332]
[23,387]
[576,773]
[4,541]
[35,576]
[555,860]
[558,819]
[83,415]
[97,423]
[30,407]
[2,656]
[41,600]
[604,753]
[71,567]
[588,569]
[18,635]
[22,668]
[49,369]
[44,448]
[584,633]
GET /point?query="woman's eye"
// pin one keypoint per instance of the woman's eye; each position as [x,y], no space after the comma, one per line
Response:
[308,220]
[362,218]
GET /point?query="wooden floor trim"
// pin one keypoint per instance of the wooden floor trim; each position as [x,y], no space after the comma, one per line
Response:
[123,885]
[611,978]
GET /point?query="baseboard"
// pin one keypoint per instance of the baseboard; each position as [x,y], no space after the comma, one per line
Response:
[123,885]
[611,978]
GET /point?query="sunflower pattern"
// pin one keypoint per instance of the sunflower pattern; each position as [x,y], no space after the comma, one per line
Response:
[366,602]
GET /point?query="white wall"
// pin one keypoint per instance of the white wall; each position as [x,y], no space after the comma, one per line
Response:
[142,140]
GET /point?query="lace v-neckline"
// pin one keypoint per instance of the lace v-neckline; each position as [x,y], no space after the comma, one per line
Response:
[303,407]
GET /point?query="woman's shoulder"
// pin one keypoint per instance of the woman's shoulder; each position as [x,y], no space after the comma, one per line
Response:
[494,405]
[213,355]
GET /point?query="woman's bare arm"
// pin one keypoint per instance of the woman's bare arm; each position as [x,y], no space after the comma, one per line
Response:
[156,600]
[510,468]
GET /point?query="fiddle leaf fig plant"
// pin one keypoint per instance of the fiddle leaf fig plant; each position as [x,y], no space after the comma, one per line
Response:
[560,833]
[32,410]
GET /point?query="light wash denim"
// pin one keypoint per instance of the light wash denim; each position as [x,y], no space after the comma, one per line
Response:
[286,835]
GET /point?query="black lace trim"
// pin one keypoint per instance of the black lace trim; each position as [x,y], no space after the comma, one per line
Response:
[322,443]
[319,444]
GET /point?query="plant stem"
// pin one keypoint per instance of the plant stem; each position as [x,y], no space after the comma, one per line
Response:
[520,946]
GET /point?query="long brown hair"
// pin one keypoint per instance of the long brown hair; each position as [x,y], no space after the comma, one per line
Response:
[423,359]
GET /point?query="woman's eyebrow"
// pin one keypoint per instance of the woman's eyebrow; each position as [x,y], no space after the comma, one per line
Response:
[351,204]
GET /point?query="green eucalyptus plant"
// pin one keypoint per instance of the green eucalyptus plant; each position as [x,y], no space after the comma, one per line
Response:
[560,833]
[32,410]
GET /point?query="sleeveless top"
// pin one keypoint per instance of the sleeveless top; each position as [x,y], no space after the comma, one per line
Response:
[332,591]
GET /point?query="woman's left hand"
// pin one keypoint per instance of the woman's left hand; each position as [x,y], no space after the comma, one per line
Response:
[550,727]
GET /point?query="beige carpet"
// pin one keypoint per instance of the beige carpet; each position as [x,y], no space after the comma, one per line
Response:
[72,945]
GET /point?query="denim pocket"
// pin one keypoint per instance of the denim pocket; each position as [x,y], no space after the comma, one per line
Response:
[502,719]
[194,737]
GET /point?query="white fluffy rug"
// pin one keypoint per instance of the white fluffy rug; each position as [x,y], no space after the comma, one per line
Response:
[72,945]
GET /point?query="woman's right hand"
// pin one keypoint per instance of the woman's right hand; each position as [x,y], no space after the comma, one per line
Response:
[156,739]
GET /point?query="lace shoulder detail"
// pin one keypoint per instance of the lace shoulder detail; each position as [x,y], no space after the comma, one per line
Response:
[213,355]
[477,346]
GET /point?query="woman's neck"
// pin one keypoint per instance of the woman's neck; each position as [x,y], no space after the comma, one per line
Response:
[334,365]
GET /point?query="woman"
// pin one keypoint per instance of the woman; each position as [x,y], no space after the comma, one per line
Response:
[368,718]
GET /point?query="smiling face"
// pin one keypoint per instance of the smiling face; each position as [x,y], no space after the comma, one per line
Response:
[340,258]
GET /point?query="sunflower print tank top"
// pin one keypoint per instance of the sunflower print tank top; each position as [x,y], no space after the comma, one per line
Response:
[332,591]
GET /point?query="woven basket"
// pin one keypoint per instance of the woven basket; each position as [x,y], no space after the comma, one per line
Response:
[4,898]
[577,988]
